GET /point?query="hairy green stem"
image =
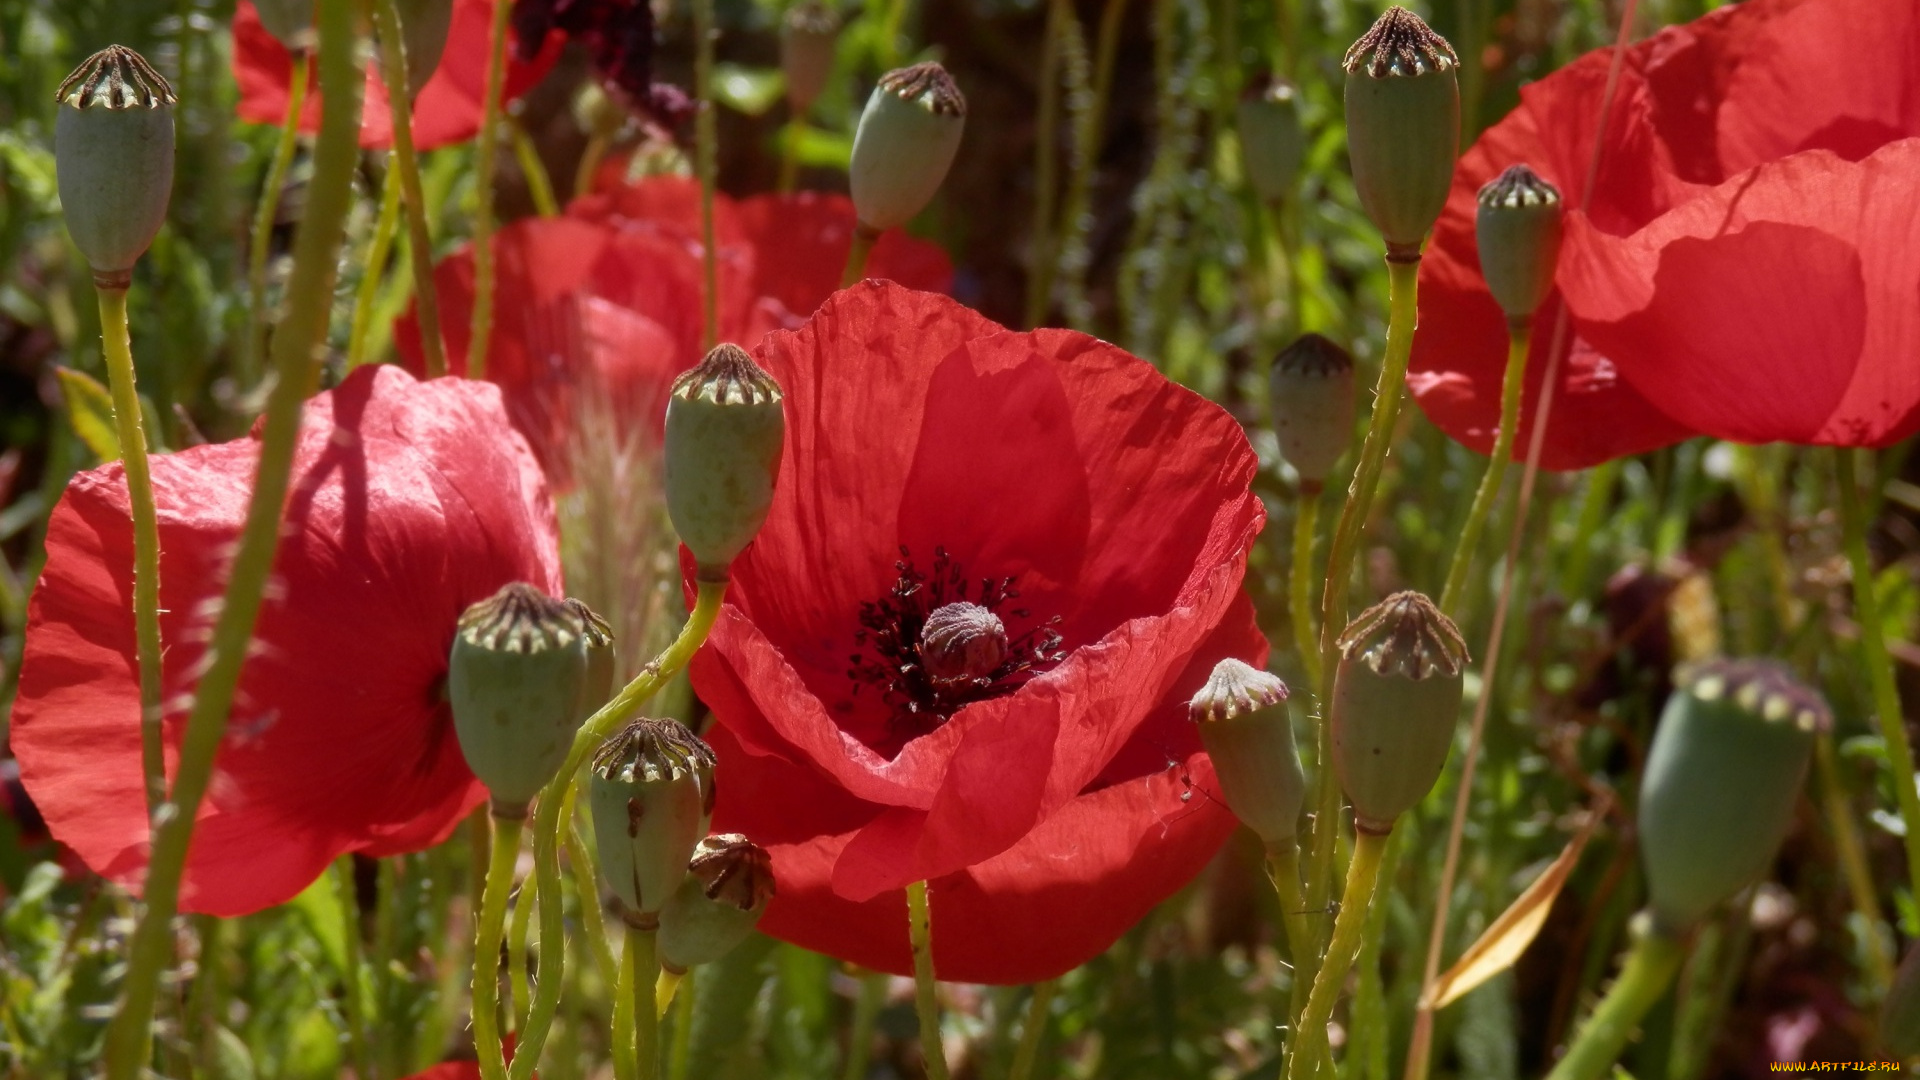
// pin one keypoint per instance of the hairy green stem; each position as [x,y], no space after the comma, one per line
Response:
[1650,967]
[486,946]
[1283,870]
[625,1066]
[487,152]
[368,294]
[519,930]
[1518,338]
[920,933]
[643,946]
[1300,584]
[261,242]
[146,532]
[1348,930]
[705,149]
[316,247]
[393,73]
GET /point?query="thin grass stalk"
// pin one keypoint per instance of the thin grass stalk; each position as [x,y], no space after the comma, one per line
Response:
[1519,337]
[367,296]
[487,153]
[260,243]
[393,73]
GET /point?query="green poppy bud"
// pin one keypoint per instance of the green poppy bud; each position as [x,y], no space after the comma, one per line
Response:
[725,424]
[1272,140]
[1725,770]
[807,37]
[905,144]
[113,153]
[514,678]
[1396,700]
[1242,713]
[729,882]
[1518,231]
[424,25]
[652,795]
[289,21]
[1403,126]
[1311,391]
[598,687]
[1900,1013]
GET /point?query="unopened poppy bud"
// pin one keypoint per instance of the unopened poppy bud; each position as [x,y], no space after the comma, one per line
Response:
[113,153]
[729,882]
[905,144]
[1396,700]
[1403,126]
[599,682]
[424,25]
[1518,228]
[1900,1012]
[962,643]
[1271,137]
[1722,777]
[515,678]
[289,21]
[1242,713]
[807,37]
[651,794]
[1311,392]
[725,424]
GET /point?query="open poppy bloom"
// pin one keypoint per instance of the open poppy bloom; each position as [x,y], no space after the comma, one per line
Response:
[1748,265]
[605,302]
[960,650]
[410,501]
[447,110]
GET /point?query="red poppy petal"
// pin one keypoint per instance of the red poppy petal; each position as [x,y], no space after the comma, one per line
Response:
[802,242]
[1780,306]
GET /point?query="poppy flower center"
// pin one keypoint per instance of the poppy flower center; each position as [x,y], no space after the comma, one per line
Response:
[930,648]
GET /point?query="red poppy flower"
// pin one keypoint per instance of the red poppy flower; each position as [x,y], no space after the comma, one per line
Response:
[604,303]
[1074,529]
[464,1070]
[447,110]
[1748,264]
[410,502]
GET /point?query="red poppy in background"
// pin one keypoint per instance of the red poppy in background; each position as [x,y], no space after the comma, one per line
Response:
[1075,527]
[447,110]
[605,302]
[410,501]
[1749,264]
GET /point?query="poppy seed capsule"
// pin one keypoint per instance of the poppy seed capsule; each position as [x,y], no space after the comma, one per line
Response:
[289,21]
[1403,126]
[906,141]
[424,25]
[807,37]
[1722,777]
[652,794]
[515,679]
[1242,713]
[962,643]
[1517,228]
[1271,138]
[1310,390]
[729,882]
[1900,1012]
[599,682]
[1396,701]
[725,424]
[113,155]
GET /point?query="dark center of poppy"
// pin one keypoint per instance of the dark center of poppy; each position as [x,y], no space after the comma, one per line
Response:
[930,648]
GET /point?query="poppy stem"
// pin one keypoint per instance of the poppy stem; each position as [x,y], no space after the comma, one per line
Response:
[548,826]
[393,73]
[705,146]
[1873,647]
[261,242]
[485,154]
[1519,337]
[1283,870]
[129,1038]
[680,1060]
[486,948]
[1306,519]
[1649,967]
[352,984]
[368,294]
[527,155]
[1349,928]
[519,929]
[131,432]
[1039,1010]
[863,239]
[625,1066]
[643,947]
[866,1014]
[920,933]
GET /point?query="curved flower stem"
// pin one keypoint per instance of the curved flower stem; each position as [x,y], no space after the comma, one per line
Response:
[592,919]
[1034,1030]
[393,73]
[1649,967]
[1348,929]
[368,294]
[146,531]
[643,947]
[486,152]
[1306,520]
[527,155]
[863,239]
[866,1013]
[705,148]
[316,247]
[519,929]
[920,933]
[553,938]
[624,1065]
[1519,336]
[263,214]
[486,947]
[1283,870]
[1873,647]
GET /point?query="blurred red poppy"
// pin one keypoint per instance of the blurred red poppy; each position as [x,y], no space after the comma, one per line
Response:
[604,304]
[447,110]
[410,502]
[996,567]
[1749,262]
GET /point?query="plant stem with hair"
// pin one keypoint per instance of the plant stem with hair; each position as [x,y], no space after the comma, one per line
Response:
[1349,928]
[393,73]
[1519,336]
[920,933]
[1649,968]
[643,946]
[486,949]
